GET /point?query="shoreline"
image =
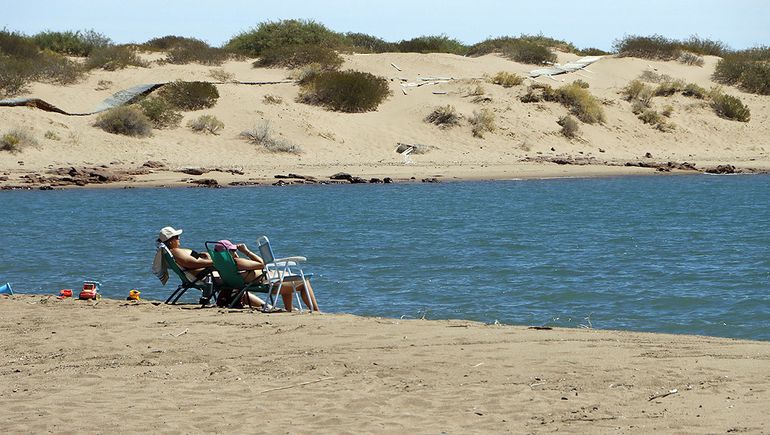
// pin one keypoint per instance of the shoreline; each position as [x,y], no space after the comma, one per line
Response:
[122,178]
[81,366]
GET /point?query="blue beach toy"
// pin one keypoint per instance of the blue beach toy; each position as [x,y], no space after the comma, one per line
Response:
[6,288]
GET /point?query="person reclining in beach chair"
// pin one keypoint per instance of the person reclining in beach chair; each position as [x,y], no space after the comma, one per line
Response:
[252,271]
[196,266]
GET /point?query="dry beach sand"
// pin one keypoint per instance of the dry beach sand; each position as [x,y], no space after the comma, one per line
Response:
[525,143]
[117,366]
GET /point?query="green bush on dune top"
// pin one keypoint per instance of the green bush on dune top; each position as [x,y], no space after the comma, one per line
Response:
[78,43]
[284,33]
[747,69]
[21,63]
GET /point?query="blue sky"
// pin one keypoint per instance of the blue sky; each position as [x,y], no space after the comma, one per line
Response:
[586,23]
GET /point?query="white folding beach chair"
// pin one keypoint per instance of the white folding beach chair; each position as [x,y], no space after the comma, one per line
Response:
[282,270]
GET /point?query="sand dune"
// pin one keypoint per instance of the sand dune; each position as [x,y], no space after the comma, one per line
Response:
[76,366]
[364,144]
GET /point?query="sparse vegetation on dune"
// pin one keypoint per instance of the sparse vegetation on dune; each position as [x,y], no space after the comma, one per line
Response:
[507,80]
[262,135]
[481,122]
[443,116]
[206,124]
[569,126]
[16,140]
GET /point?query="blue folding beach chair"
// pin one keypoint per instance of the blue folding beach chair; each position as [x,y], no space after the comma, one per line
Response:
[282,270]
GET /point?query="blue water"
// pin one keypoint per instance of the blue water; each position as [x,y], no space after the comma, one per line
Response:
[687,254]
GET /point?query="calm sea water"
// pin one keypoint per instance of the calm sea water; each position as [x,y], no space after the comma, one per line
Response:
[686,254]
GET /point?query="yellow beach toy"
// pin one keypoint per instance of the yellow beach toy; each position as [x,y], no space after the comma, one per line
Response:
[133,295]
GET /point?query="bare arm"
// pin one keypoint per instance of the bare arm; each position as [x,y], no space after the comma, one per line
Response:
[254,262]
[187,261]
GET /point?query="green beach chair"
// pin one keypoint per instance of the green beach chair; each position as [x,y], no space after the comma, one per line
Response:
[230,278]
[203,282]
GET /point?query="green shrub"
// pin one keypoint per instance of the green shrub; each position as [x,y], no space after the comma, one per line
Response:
[538,92]
[165,43]
[635,90]
[581,103]
[518,49]
[16,140]
[668,111]
[192,50]
[481,122]
[285,33]
[690,59]
[668,88]
[569,126]
[262,135]
[221,75]
[296,56]
[592,52]
[443,116]
[21,63]
[189,95]
[582,83]
[432,44]
[160,112]
[704,47]
[345,91]
[649,116]
[113,58]
[206,124]
[125,120]
[747,69]
[548,42]
[363,43]
[51,135]
[71,43]
[15,75]
[16,45]
[55,68]
[648,47]
[693,90]
[729,107]
[476,91]
[658,47]
[272,99]
[507,80]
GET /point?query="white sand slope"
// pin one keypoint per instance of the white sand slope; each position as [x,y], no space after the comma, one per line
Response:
[364,143]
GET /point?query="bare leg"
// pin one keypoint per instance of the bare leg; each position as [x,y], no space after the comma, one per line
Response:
[286,294]
[252,300]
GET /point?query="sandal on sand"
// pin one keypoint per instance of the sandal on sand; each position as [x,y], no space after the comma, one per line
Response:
[270,309]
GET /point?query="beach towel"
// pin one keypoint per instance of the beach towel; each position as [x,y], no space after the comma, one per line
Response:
[159,266]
